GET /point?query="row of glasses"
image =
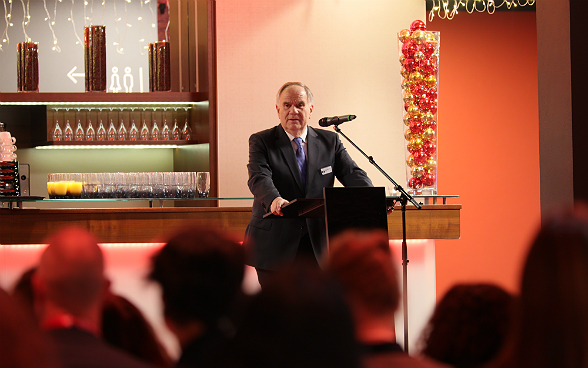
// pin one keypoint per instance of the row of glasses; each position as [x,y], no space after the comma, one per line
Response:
[120,124]
[155,185]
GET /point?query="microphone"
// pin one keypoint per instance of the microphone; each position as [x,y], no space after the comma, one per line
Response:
[336,120]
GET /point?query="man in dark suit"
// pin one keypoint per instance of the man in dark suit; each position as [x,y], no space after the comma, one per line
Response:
[69,288]
[289,161]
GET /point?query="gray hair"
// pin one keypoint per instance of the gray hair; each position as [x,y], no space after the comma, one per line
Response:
[300,84]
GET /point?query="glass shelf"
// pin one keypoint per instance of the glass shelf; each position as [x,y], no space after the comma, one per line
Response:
[20,200]
[134,199]
[428,197]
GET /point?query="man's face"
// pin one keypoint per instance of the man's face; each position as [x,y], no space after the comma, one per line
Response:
[294,110]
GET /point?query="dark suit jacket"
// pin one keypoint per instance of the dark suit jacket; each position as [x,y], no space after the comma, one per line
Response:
[80,349]
[273,172]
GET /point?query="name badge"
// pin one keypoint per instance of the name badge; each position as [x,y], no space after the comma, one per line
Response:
[326,170]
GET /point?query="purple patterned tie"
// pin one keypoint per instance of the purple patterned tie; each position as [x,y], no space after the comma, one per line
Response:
[301,158]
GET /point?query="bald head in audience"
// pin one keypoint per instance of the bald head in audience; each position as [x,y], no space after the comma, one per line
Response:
[70,276]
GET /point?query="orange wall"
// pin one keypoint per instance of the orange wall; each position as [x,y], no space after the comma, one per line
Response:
[488,144]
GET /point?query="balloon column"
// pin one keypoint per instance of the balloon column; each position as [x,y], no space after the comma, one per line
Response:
[419,60]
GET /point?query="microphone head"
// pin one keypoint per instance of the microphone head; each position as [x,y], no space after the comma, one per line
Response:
[336,120]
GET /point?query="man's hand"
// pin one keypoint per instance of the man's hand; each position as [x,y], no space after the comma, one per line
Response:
[277,205]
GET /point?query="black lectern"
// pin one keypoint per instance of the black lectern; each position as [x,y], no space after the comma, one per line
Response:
[343,208]
[354,207]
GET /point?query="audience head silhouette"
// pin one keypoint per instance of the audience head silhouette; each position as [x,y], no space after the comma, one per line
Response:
[200,272]
[554,294]
[69,288]
[362,262]
[22,345]
[70,276]
[124,326]
[469,325]
[299,319]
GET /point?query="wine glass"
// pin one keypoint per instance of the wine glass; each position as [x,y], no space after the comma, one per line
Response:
[155,132]
[79,133]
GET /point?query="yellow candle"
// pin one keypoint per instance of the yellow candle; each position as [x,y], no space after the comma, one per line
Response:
[50,188]
[74,188]
[60,188]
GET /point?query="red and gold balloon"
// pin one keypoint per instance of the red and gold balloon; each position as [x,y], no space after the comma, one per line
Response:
[419,61]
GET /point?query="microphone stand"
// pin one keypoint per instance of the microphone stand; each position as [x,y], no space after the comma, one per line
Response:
[403,198]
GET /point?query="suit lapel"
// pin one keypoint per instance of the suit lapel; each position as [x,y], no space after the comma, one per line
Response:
[285,146]
[312,155]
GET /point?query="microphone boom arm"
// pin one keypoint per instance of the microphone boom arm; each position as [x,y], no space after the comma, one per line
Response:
[404,196]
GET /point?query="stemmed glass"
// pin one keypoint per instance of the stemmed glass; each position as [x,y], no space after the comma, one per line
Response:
[79,133]
[90,132]
[101,133]
[133,131]
[144,134]
[165,132]
[111,134]
[122,129]
[176,134]
[186,130]
[155,133]
[57,132]
[67,131]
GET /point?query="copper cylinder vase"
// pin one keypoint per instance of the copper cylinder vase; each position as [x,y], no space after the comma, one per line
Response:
[159,66]
[27,54]
[95,58]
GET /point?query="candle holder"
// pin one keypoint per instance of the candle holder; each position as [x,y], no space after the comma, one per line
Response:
[27,54]
[159,66]
[95,58]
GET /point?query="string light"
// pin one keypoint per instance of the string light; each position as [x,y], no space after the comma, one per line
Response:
[73,24]
[142,46]
[51,23]
[119,41]
[85,14]
[26,18]
[168,17]
[119,49]
[7,18]
[444,11]
[153,25]
[103,10]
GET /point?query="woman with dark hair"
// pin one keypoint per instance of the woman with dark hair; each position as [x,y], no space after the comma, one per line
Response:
[552,318]
[469,325]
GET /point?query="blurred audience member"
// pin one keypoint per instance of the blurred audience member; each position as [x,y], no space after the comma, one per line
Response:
[552,318]
[69,288]
[22,292]
[362,263]
[124,326]
[22,345]
[469,325]
[298,320]
[200,272]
